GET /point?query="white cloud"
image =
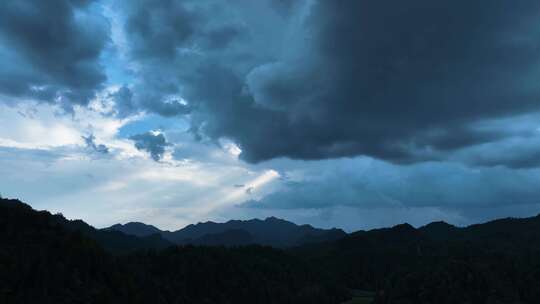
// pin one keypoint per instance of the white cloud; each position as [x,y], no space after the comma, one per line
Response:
[45,162]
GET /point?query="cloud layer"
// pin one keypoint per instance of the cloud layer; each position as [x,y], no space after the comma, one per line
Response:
[313,108]
[50,50]
[398,81]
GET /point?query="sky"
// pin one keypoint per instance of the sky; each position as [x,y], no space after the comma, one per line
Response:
[350,114]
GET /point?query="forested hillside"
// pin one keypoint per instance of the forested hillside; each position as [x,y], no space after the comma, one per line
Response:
[47,257]
[41,260]
[495,262]
[270,232]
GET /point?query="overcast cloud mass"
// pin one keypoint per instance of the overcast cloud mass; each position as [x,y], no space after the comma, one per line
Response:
[355,114]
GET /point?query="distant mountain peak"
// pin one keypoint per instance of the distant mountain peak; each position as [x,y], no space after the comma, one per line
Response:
[136,224]
[271,231]
[404,227]
[439,224]
[135,228]
[439,230]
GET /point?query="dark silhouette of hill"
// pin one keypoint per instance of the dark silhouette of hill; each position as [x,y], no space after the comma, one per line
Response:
[135,228]
[42,261]
[440,230]
[494,262]
[112,241]
[235,237]
[46,259]
[270,232]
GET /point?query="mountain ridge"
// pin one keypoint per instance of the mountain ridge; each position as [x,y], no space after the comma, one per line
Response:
[271,231]
[112,241]
[48,259]
[436,263]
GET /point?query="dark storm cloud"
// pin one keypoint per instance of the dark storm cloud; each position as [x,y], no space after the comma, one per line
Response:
[166,38]
[50,50]
[389,78]
[529,159]
[123,101]
[221,37]
[284,6]
[154,144]
[368,184]
[515,153]
[158,28]
[403,81]
[126,104]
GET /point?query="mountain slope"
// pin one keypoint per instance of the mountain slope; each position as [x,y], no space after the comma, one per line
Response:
[234,237]
[113,241]
[45,260]
[493,262]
